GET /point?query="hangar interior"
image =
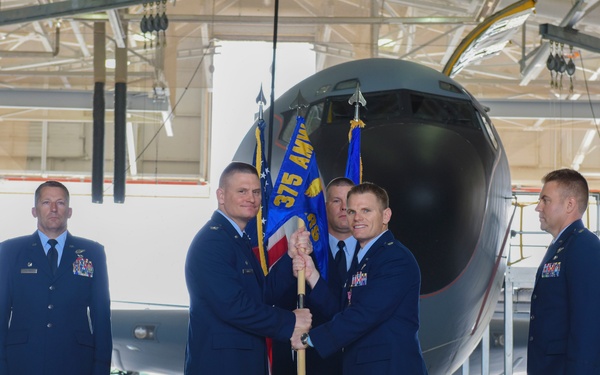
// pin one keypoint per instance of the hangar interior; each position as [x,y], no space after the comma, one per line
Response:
[53,52]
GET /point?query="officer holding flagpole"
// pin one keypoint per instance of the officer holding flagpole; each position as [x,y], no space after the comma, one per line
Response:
[229,318]
[376,321]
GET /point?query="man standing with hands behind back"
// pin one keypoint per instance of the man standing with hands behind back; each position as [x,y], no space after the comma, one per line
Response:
[54,297]
[229,319]
[564,326]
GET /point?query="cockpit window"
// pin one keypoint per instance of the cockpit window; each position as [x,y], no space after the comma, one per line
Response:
[314,116]
[443,110]
[398,105]
[312,121]
[488,130]
[348,84]
[380,106]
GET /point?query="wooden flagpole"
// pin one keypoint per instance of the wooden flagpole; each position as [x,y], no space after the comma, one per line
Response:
[301,353]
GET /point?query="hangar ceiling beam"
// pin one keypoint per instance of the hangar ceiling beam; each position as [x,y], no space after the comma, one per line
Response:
[547,109]
[570,37]
[74,100]
[293,20]
[140,102]
[538,61]
[63,9]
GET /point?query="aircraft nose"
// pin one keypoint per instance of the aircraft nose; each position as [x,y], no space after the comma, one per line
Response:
[435,177]
[428,169]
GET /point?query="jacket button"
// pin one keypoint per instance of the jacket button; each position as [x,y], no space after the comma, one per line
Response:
[51,287]
[50,307]
[530,338]
[532,317]
[49,325]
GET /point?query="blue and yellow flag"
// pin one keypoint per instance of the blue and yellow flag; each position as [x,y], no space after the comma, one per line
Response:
[298,191]
[354,162]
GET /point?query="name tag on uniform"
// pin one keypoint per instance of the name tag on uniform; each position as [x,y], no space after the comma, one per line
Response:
[247,270]
[28,270]
[551,270]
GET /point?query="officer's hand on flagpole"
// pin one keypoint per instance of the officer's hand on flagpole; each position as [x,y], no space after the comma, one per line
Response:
[299,241]
[303,322]
[305,262]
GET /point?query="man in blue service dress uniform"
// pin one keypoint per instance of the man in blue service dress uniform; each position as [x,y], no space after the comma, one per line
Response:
[379,320]
[564,326]
[54,297]
[229,319]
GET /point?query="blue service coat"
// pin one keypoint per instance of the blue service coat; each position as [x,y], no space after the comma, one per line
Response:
[378,330]
[284,358]
[564,327]
[228,317]
[50,331]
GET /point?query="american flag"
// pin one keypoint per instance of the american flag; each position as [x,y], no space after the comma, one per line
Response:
[268,251]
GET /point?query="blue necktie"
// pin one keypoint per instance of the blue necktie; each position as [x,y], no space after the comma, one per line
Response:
[53,255]
[340,260]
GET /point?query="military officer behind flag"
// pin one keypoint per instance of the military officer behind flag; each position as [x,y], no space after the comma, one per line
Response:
[341,252]
[564,327]
[54,297]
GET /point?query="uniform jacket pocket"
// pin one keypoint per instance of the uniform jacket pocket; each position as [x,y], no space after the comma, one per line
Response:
[373,354]
[17,337]
[232,341]
[556,347]
[84,338]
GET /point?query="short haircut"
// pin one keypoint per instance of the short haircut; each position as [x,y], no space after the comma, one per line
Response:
[50,183]
[233,168]
[369,187]
[338,181]
[572,184]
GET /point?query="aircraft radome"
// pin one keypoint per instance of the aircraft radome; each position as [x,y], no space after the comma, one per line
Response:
[431,145]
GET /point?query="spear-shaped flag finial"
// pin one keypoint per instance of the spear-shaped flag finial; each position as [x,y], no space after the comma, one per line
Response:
[261,101]
[299,103]
[354,162]
[357,99]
